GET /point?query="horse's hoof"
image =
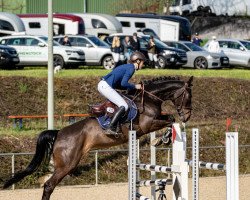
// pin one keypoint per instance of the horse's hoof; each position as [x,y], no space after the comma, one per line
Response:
[156,142]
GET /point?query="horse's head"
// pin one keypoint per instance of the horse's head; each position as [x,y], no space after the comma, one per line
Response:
[182,100]
[171,88]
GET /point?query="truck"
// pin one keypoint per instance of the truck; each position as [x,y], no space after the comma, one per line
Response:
[168,28]
[63,24]
[210,7]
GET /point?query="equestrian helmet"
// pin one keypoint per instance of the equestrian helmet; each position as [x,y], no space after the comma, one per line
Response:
[137,56]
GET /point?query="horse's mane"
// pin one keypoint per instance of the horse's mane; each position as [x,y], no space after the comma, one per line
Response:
[160,80]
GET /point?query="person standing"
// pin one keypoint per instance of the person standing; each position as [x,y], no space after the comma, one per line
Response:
[197,40]
[119,79]
[127,48]
[135,43]
[66,41]
[116,49]
[214,46]
[152,52]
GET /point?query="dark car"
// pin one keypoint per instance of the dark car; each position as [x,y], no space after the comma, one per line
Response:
[167,56]
[8,57]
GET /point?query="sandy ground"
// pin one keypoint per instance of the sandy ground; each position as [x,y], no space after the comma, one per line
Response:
[210,189]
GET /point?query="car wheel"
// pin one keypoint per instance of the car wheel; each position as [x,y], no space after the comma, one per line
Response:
[200,63]
[161,62]
[58,60]
[108,62]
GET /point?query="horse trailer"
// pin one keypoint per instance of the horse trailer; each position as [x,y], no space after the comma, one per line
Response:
[37,24]
[166,27]
[216,7]
[10,24]
[100,25]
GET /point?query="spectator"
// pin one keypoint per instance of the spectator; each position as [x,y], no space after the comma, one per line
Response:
[135,43]
[127,48]
[214,46]
[66,41]
[197,40]
[116,49]
[152,53]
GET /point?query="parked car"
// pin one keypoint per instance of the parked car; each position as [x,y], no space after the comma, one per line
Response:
[96,51]
[198,57]
[238,51]
[33,51]
[8,57]
[167,56]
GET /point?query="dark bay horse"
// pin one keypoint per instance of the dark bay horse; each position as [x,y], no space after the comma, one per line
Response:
[73,142]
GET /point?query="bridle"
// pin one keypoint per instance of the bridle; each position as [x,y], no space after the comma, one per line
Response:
[180,94]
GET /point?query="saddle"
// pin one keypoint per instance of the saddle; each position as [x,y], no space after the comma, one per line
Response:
[105,111]
[106,108]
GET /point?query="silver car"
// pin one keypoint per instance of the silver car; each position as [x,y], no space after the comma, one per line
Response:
[198,57]
[96,51]
[238,51]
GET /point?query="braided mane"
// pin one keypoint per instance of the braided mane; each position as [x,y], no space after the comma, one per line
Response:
[159,80]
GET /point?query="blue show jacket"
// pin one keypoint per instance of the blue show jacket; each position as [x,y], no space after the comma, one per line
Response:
[119,77]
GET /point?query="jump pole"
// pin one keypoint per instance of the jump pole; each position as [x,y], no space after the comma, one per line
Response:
[231,167]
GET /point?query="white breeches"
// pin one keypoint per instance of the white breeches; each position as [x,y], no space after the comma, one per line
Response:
[111,94]
[116,57]
[152,57]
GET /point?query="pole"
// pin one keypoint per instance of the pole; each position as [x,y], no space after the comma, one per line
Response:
[50,68]
[195,159]
[84,6]
[153,162]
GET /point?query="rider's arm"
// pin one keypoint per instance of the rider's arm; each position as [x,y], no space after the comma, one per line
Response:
[124,83]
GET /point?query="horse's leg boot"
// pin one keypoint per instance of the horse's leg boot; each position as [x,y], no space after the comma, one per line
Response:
[113,124]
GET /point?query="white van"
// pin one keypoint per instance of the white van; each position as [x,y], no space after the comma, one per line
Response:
[100,24]
[10,24]
[63,24]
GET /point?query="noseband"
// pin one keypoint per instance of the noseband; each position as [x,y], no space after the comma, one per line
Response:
[181,95]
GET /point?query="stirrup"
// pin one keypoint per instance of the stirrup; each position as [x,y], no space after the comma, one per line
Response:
[111,132]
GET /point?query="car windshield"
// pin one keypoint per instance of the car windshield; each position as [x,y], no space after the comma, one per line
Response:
[246,44]
[193,46]
[46,40]
[98,42]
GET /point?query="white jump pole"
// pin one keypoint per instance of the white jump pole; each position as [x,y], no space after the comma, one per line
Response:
[153,162]
[195,163]
[179,167]
[132,165]
[232,165]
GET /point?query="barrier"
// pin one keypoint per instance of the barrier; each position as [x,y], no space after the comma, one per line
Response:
[180,167]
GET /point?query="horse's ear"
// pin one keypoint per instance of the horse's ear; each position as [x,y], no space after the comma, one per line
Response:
[189,82]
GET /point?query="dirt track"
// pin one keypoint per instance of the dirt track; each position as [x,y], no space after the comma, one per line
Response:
[210,189]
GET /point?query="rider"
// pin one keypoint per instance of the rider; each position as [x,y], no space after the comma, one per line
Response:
[118,79]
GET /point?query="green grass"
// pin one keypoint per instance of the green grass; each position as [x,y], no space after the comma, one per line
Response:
[99,71]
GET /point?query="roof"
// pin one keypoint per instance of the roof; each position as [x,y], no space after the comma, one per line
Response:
[56,15]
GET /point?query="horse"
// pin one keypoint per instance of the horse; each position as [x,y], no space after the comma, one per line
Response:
[73,142]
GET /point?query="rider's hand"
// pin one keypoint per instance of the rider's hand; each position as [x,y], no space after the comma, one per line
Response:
[138,86]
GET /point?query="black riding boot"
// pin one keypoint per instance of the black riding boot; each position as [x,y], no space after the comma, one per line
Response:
[113,124]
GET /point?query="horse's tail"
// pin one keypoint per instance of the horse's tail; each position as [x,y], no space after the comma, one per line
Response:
[45,143]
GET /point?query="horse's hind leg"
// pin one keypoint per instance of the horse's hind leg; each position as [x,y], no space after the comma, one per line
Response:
[50,184]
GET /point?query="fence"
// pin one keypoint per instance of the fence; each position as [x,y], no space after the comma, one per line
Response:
[97,153]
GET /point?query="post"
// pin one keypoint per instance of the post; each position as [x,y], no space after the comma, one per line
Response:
[179,166]
[232,165]
[13,168]
[50,68]
[152,162]
[195,163]
[96,168]
[132,165]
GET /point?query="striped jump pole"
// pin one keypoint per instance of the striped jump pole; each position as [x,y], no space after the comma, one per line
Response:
[155,168]
[140,197]
[157,182]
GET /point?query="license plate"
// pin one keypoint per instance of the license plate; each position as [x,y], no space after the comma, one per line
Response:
[15,59]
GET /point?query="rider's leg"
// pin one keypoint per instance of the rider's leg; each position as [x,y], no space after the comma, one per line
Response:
[116,98]
[113,124]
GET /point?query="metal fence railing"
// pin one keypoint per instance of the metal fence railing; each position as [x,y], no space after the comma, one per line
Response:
[98,152]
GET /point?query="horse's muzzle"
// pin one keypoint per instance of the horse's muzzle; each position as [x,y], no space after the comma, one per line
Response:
[185,115]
